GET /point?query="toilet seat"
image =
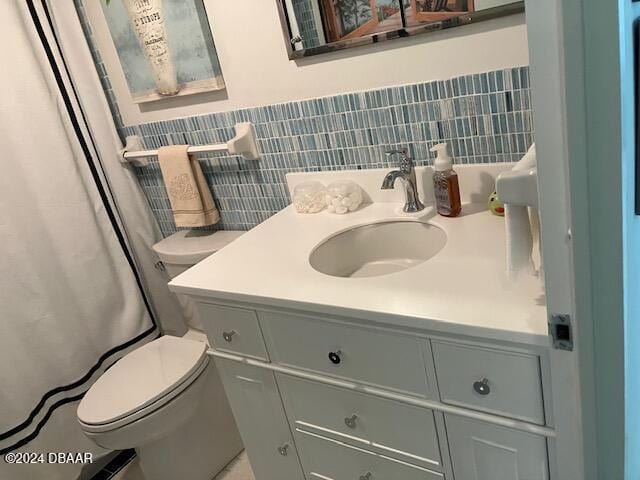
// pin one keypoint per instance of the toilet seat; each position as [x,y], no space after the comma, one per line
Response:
[142,382]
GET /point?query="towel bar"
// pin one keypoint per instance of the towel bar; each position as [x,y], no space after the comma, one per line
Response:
[244,143]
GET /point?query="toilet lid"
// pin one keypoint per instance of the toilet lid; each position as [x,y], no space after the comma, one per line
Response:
[140,378]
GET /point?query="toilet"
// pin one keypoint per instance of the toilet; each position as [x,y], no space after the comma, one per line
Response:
[184,249]
[165,399]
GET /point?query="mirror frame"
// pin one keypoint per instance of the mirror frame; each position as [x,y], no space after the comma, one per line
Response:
[463,19]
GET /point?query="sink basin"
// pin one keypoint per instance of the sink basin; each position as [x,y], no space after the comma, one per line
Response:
[377,249]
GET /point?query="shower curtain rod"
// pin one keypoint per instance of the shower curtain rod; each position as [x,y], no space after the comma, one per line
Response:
[244,143]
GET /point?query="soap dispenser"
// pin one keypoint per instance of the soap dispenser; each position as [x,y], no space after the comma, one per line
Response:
[445,183]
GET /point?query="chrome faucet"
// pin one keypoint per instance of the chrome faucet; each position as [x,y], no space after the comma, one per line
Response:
[407,174]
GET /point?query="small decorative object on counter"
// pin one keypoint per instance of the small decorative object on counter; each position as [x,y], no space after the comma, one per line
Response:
[343,196]
[495,205]
[445,183]
[309,197]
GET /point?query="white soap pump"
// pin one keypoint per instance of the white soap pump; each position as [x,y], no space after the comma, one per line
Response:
[445,183]
[443,160]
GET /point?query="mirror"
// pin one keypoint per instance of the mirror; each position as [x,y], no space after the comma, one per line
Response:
[312,27]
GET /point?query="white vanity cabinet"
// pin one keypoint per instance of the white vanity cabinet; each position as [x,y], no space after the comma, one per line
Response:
[329,398]
[257,408]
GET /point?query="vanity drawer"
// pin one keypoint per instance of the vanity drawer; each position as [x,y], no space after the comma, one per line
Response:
[379,358]
[496,381]
[234,330]
[385,426]
[325,459]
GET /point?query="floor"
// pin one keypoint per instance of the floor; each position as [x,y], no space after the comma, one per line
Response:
[238,469]
[115,465]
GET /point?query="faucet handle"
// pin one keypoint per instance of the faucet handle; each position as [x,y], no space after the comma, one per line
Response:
[399,151]
[406,163]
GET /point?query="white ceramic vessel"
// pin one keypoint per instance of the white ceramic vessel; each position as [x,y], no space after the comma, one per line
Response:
[148,20]
[377,249]
[165,399]
[184,249]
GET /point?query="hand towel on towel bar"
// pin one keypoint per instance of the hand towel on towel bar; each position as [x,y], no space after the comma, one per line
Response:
[189,194]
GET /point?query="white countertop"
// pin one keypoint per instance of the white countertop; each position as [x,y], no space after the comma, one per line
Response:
[462,290]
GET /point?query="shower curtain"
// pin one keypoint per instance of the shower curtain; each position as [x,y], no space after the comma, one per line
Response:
[137,218]
[71,295]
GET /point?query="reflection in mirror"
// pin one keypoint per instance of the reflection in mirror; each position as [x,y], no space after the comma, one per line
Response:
[419,11]
[318,26]
[347,19]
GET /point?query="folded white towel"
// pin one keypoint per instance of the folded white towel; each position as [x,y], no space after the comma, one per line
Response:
[519,221]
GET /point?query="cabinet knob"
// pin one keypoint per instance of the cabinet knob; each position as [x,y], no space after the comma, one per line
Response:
[366,476]
[228,336]
[351,421]
[482,387]
[283,449]
[334,357]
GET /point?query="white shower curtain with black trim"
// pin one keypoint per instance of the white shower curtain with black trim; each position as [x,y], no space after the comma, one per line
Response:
[71,301]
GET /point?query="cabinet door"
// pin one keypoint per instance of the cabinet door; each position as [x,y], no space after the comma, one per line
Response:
[257,408]
[480,451]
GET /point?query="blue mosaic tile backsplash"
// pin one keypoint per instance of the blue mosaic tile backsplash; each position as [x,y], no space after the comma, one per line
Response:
[484,118]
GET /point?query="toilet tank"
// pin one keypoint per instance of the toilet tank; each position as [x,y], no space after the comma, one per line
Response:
[184,249]
[175,269]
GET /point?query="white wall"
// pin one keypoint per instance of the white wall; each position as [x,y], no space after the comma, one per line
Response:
[256,69]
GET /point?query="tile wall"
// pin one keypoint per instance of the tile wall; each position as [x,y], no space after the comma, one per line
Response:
[100,68]
[484,117]
[306,22]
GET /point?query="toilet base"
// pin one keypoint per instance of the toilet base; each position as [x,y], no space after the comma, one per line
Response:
[201,447]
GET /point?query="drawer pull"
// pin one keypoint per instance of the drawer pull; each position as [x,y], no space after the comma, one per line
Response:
[228,336]
[482,387]
[351,421]
[366,476]
[283,449]
[334,357]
